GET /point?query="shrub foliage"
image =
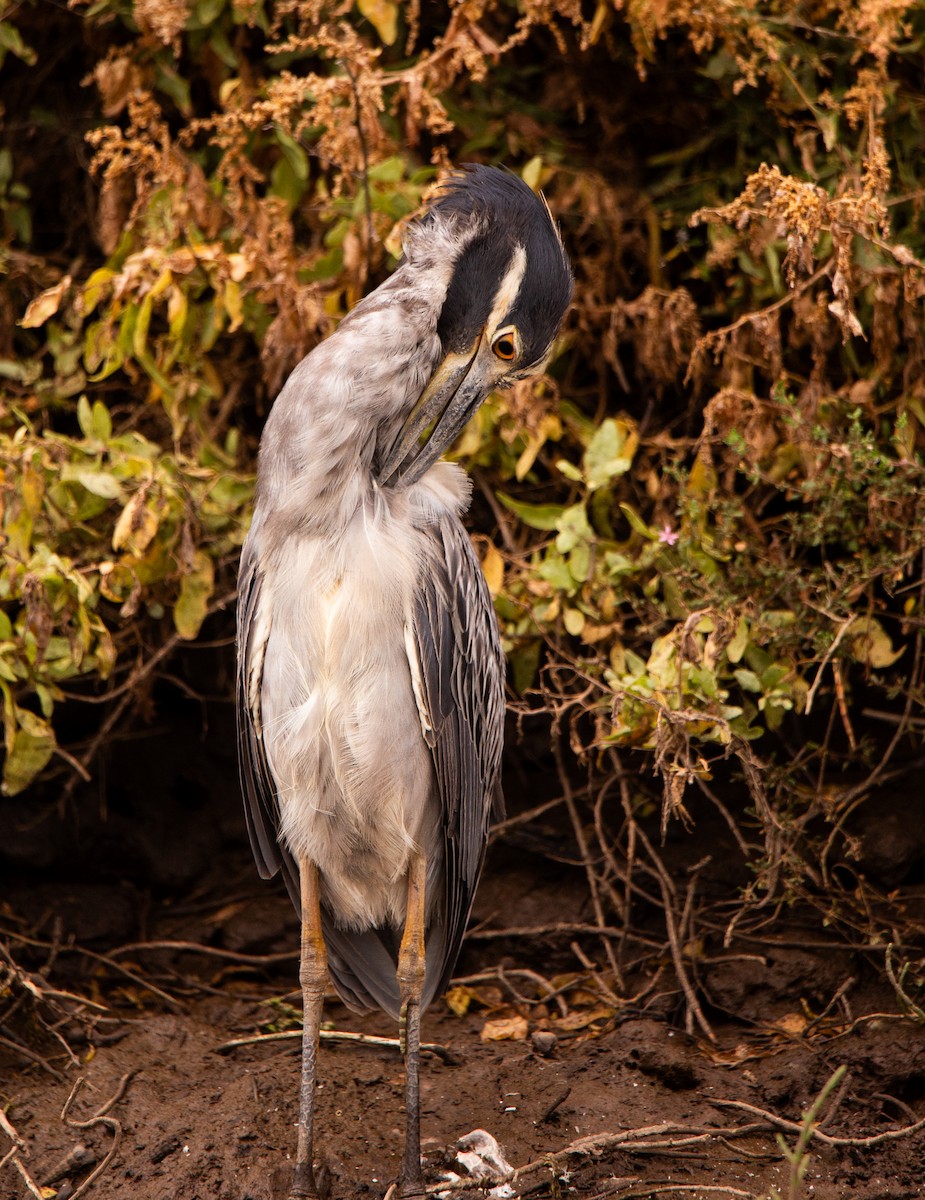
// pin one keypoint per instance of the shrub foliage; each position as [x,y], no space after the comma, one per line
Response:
[703,529]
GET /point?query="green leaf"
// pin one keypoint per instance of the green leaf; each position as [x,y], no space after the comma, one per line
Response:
[554,570]
[101,421]
[569,470]
[610,452]
[525,661]
[574,529]
[11,41]
[638,524]
[30,743]
[579,562]
[747,680]
[85,417]
[195,593]
[295,154]
[574,621]
[100,483]
[739,640]
[537,516]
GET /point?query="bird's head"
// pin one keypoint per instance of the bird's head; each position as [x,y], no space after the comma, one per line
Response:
[509,287]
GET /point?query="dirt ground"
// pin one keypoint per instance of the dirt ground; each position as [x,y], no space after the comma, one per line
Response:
[677,1113]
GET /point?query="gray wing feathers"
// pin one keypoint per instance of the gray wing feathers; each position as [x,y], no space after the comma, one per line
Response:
[462,677]
[260,808]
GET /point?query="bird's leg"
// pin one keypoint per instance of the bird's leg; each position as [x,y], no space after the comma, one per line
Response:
[411,986]
[313,976]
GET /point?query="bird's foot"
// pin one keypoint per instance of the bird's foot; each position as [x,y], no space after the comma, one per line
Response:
[412,1189]
[310,1182]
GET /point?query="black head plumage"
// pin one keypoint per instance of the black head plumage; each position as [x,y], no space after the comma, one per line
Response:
[508,215]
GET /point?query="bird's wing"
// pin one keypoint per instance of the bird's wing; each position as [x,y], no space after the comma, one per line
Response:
[458,670]
[260,804]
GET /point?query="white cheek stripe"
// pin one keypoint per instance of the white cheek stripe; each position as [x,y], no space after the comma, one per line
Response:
[508,289]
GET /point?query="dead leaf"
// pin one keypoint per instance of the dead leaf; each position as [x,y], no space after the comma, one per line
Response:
[871,644]
[136,526]
[493,569]
[793,1023]
[458,1000]
[505,1029]
[45,305]
[581,1020]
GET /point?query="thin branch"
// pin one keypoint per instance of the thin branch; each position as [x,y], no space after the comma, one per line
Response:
[876,1139]
[590,873]
[12,1156]
[99,1118]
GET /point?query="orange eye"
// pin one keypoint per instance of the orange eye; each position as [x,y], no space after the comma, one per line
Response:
[505,345]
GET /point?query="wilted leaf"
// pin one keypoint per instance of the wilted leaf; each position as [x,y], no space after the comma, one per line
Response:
[550,428]
[850,325]
[792,1023]
[195,593]
[45,305]
[136,526]
[870,643]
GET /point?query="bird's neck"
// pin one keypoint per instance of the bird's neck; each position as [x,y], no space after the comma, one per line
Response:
[347,400]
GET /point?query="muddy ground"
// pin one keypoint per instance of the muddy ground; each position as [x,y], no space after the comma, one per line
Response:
[86,895]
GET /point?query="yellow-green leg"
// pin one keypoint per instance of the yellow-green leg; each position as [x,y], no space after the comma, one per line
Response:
[313,976]
[411,986]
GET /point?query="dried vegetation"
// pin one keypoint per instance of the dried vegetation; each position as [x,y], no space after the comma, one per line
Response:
[704,529]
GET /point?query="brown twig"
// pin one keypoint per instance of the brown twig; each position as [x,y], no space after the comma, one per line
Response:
[101,958]
[664,1137]
[335,1035]
[716,338]
[259,960]
[126,690]
[525,818]
[701,1189]
[15,1155]
[695,1012]
[99,1118]
[559,929]
[590,873]
[876,1139]
[30,1056]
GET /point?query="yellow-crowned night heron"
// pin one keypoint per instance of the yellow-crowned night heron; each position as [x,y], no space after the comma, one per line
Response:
[370,678]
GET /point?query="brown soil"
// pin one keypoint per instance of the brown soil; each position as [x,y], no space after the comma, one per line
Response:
[787,1006]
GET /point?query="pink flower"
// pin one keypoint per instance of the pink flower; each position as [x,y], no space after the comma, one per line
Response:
[668,536]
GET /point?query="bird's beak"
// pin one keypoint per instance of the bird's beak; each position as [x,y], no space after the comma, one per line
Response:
[456,389]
